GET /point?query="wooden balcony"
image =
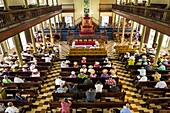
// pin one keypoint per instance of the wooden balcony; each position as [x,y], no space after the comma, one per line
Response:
[67,8]
[154,18]
[15,21]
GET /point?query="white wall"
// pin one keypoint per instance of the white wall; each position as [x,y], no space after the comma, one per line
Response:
[94,10]
[66,1]
[14,2]
[78,5]
[160,1]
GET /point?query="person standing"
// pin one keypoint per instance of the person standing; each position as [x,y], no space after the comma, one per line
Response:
[65,106]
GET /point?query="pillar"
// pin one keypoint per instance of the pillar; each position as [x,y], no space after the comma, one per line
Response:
[161,37]
[142,38]
[57,2]
[4,47]
[43,34]
[6,7]
[33,40]
[155,39]
[16,43]
[123,30]
[126,1]
[113,18]
[38,3]
[51,33]
[27,35]
[26,4]
[118,25]
[55,21]
[131,34]
[149,3]
[47,3]
[58,18]
[52,2]
[115,21]
[135,2]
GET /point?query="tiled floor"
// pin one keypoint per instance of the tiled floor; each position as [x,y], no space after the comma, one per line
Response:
[132,96]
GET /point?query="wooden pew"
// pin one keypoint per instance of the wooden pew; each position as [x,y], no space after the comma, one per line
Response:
[78,69]
[89,105]
[86,87]
[150,72]
[155,110]
[161,100]
[31,92]
[161,91]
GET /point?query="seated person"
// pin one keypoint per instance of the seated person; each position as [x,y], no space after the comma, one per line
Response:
[25,68]
[11,108]
[63,64]
[20,98]
[90,68]
[5,72]
[17,79]
[82,75]
[6,80]
[75,65]
[97,65]
[98,86]
[59,81]
[35,73]
[73,89]
[47,58]
[88,81]
[90,95]
[142,79]
[114,88]
[131,60]
[109,64]
[83,69]
[149,66]
[61,89]
[161,67]
[161,84]
[110,81]
[113,73]
[104,73]
[165,62]
[127,55]
[142,71]
[126,109]
[139,62]
[2,107]
[156,76]
[83,60]
[73,74]
[93,74]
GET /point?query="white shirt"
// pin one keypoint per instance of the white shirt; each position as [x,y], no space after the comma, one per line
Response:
[98,87]
[142,72]
[12,109]
[109,65]
[83,70]
[35,75]
[47,59]
[143,79]
[18,80]
[161,84]
[59,81]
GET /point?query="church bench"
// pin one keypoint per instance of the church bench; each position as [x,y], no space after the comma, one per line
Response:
[77,105]
[150,72]
[160,100]
[27,78]
[26,85]
[150,84]
[31,92]
[155,110]
[120,95]
[84,87]
[87,63]
[87,57]
[16,103]
[79,80]
[162,91]
[78,69]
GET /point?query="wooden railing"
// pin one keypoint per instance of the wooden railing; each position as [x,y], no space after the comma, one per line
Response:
[67,6]
[105,7]
[155,14]
[18,16]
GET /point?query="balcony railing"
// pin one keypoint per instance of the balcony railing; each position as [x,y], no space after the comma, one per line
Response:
[105,7]
[154,14]
[18,16]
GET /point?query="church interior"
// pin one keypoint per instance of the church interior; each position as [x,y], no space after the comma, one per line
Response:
[84,56]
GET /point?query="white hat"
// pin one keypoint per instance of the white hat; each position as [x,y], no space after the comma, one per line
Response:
[140,60]
[35,70]
[73,72]
[97,63]
[67,61]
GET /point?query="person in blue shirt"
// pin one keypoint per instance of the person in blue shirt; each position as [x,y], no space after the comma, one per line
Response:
[20,98]
[61,89]
[161,67]
[126,109]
